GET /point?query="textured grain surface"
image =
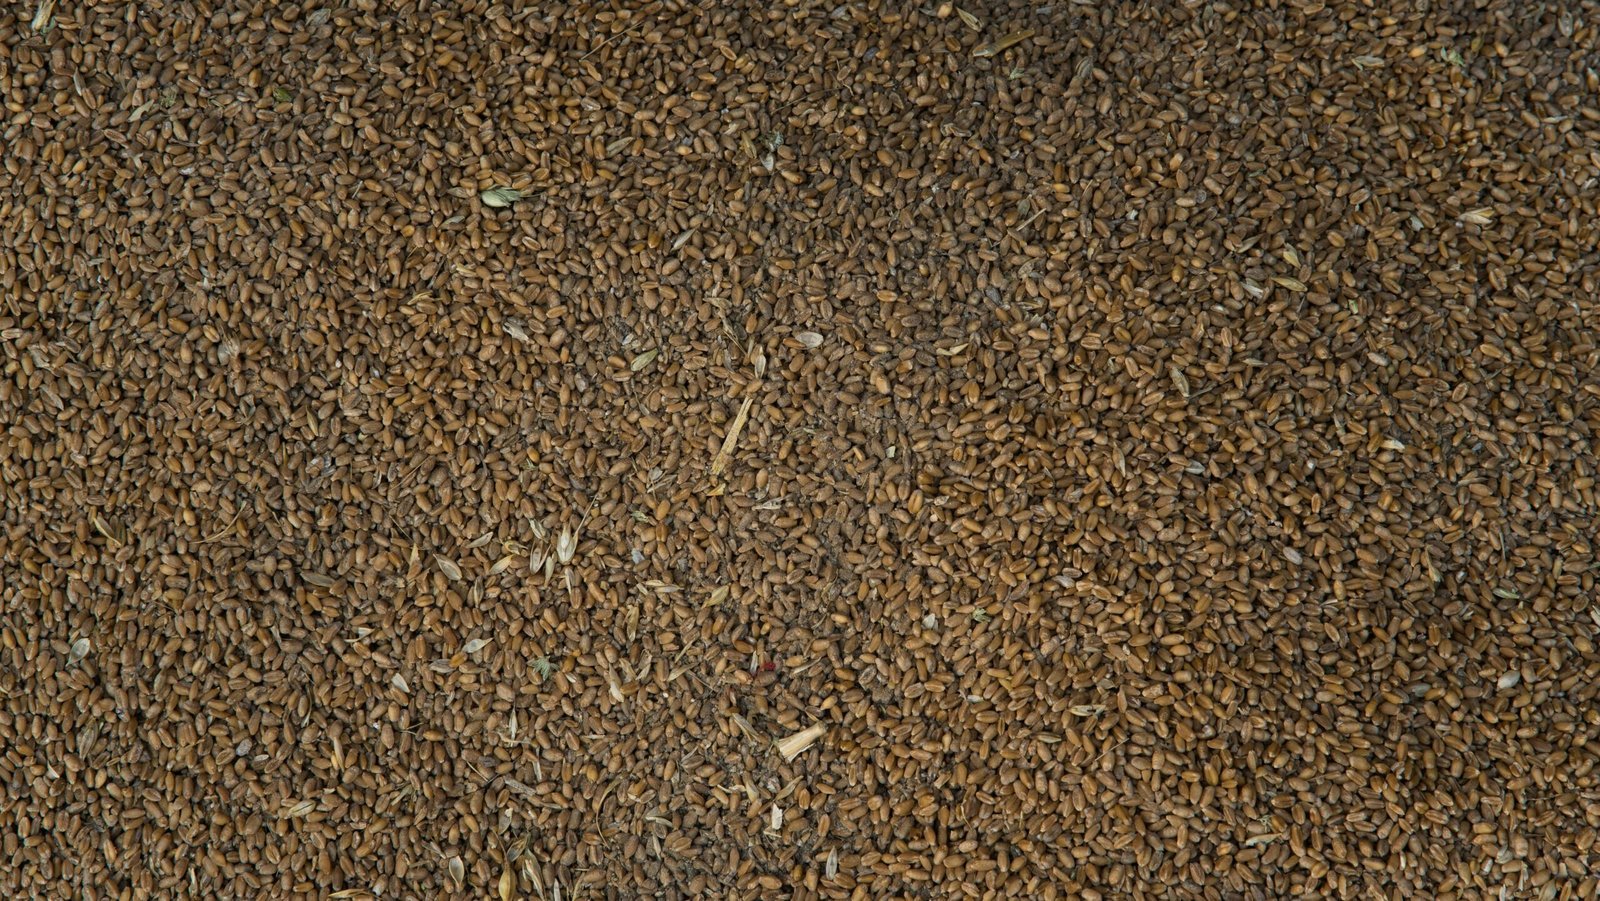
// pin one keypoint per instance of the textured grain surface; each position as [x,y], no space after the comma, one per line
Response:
[815,450]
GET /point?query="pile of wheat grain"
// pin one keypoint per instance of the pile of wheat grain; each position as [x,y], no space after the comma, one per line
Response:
[1085,449]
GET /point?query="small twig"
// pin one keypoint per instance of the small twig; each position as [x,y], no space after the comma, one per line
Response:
[1102,754]
[1016,230]
[623,33]
[479,773]
[224,530]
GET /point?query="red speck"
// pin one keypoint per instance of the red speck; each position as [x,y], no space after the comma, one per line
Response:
[769,667]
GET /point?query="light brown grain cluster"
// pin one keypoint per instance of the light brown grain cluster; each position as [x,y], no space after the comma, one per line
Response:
[853,450]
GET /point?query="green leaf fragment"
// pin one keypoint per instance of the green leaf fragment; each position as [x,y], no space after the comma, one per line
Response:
[500,197]
[644,359]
